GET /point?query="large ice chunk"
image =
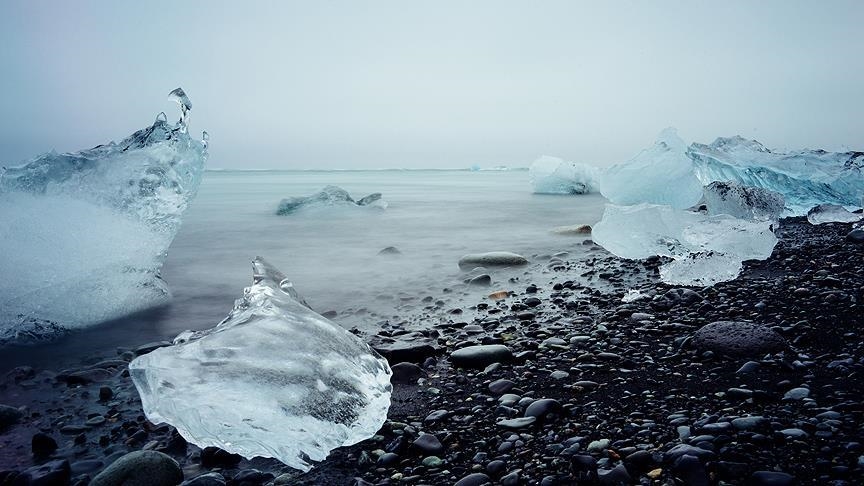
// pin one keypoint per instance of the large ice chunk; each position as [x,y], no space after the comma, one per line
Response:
[85,234]
[328,197]
[704,249]
[832,213]
[805,178]
[661,174]
[743,202]
[274,379]
[551,175]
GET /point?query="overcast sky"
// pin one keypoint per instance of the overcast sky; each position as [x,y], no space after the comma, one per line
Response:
[320,84]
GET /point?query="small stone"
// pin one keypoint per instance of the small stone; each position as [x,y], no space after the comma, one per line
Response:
[475,479]
[406,373]
[42,445]
[771,478]
[543,407]
[9,416]
[598,445]
[517,423]
[429,444]
[500,387]
[105,393]
[432,461]
[209,479]
[797,394]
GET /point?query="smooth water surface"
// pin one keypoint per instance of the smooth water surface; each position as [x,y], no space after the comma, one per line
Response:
[434,217]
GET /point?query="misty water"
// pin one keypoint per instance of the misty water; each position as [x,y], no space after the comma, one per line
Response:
[331,254]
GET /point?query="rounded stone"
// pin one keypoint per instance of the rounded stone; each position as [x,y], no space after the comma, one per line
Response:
[736,338]
[481,356]
[492,259]
[141,468]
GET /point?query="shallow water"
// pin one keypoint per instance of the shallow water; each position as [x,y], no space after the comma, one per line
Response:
[331,254]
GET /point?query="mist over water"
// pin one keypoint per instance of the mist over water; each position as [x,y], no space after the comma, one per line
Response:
[331,253]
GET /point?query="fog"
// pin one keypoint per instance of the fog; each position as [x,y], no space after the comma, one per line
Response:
[300,85]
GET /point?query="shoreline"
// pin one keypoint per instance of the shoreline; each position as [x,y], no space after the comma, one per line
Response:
[619,392]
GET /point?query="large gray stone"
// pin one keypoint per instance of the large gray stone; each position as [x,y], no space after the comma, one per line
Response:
[737,338]
[481,356]
[492,259]
[141,468]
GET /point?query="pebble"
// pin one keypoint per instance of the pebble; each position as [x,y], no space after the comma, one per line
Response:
[141,468]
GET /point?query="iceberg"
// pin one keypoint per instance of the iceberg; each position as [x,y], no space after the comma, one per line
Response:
[328,197]
[743,202]
[661,174]
[551,175]
[273,379]
[832,213]
[85,233]
[805,178]
[704,249]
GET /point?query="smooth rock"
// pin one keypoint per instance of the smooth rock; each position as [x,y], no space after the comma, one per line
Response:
[481,356]
[492,259]
[141,468]
[736,338]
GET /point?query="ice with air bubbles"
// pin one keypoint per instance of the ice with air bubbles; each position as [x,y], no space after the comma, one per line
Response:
[85,233]
[273,379]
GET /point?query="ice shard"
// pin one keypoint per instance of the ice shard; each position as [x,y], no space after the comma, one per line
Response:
[704,249]
[330,196]
[551,175]
[832,213]
[660,174]
[805,178]
[743,202]
[84,234]
[273,379]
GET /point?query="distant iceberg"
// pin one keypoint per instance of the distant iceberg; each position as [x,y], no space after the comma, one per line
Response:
[805,178]
[273,379]
[660,174]
[85,234]
[328,197]
[551,175]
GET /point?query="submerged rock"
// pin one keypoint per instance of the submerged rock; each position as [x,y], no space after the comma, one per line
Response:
[492,259]
[274,379]
[329,196]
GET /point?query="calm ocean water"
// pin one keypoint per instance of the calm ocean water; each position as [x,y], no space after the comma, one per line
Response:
[434,217]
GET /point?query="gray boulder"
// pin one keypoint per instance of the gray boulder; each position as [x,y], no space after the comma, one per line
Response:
[737,338]
[492,259]
[141,468]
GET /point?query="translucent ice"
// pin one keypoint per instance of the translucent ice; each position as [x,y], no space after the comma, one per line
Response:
[551,175]
[84,234]
[661,174]
[805,178]
[704,249]
[273,379]
[328,197]
[832,213]
[743,202]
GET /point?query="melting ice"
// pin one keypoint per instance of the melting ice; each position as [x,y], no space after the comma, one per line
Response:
[85,233]
[274,379]
[329,196]
[805,178]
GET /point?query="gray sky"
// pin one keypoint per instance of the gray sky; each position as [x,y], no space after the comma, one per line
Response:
[319,84]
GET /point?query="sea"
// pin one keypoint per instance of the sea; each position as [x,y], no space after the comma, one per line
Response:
[433,217]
